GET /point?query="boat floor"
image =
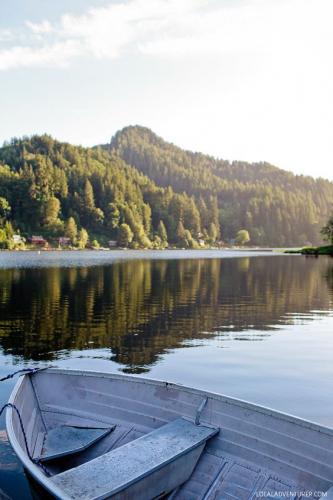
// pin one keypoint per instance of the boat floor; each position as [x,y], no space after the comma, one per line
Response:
[217,475]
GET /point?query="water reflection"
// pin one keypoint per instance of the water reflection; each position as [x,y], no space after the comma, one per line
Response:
[139,309]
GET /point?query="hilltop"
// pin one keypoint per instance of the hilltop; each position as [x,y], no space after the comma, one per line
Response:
[274,205]
[145,192]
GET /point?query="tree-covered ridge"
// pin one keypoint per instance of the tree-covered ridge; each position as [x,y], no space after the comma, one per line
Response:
[275,206]
[53,188]
[145,192]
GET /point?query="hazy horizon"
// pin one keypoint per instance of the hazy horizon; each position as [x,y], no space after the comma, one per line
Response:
[241,80]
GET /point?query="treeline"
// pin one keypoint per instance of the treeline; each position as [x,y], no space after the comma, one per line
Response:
[275,206]
[145,193]
[53,189]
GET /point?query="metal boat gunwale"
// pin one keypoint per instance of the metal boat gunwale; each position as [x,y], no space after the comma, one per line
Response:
[266,410]
[33,469]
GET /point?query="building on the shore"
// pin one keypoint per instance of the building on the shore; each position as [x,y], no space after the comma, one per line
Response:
[112,243]
[17,239]
[37,240]
[63,241]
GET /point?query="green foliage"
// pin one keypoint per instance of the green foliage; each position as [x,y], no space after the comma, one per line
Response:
[6,237]
[4,209]
[188,240]
[125,235]
[327,230]
[162,236]
[88,197]
[324,250]
[212,233]
[82,238]
[71,230]
[95,244]
[277,207]
[180,233]
[242,237]
[163,194]
[46,182]
[50,216]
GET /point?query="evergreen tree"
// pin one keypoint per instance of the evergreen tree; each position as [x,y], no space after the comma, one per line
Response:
[71,230]
[51,209]
[4,209]
[242,237]
[180,233]
[188,241]
[125,235]
[82,238]
[162,232]
[9,230]
[112,216]
[44,182]
[212,232]
[327,230]
[88,196]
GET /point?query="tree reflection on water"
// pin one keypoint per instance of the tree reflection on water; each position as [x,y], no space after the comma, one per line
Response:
[140,309]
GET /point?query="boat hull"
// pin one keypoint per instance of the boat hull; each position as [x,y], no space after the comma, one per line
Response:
[271,451]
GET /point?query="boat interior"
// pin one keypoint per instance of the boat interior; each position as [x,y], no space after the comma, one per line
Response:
[163,439]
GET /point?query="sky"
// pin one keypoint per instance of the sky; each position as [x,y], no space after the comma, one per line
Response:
[238,79]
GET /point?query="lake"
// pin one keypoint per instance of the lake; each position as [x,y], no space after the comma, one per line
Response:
[256,326]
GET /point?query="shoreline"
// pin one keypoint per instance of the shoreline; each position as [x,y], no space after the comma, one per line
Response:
[314,251]
[171,249]
[87,258]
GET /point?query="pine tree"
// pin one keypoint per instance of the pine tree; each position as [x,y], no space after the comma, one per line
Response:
[71,230]
[162,232]
[180,233]
[82,238]
[212,232]
[88,196]
[51,211]
[4,209]
[125,235]
[327,230]
[101,191]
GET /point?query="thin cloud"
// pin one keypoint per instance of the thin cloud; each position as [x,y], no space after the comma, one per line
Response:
[55,55]
[6,35]
[104,32]
[40,28]
[170,28]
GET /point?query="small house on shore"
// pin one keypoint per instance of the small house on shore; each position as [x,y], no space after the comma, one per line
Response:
[38,240]
[17,239]
[63,241]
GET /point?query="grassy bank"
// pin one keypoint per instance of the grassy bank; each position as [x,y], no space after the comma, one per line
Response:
[324,250]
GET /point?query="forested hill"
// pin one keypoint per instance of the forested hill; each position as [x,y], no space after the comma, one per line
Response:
[55,189]
[275,206]
[144,192]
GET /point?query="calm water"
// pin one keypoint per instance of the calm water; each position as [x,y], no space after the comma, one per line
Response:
[255,327]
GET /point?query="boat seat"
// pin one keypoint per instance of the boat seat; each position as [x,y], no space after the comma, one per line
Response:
[146,467]
[67,439]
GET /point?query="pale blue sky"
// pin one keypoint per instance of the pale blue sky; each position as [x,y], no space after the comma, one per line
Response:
[238,79]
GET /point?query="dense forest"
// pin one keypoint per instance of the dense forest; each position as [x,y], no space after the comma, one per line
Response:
[275,206]
[146,193]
